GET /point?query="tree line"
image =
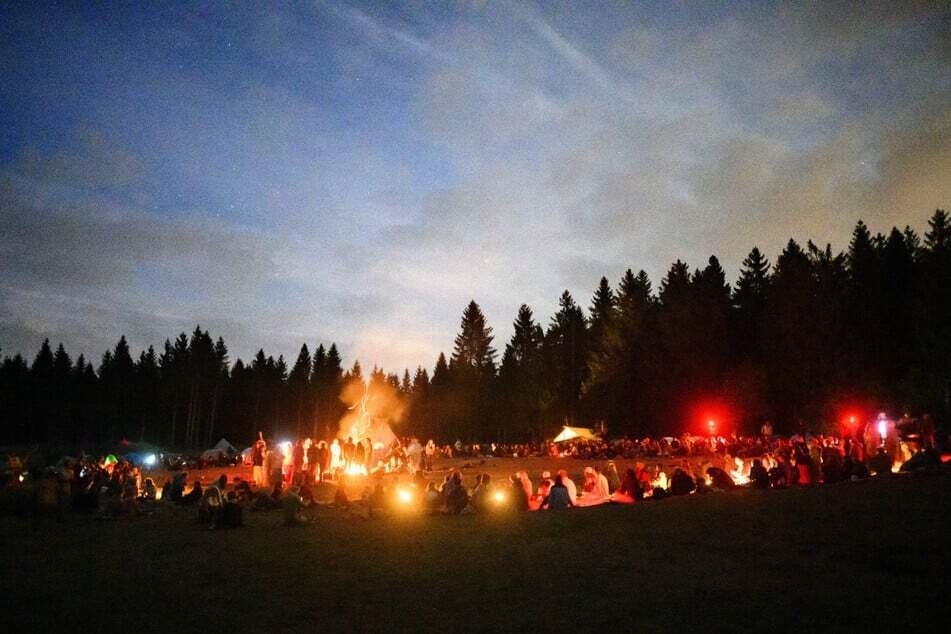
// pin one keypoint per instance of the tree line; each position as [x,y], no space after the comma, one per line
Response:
[799,342]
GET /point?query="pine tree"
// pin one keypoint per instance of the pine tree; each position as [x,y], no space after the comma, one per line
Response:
[117,378]
[147,377]
[620,390]
[525,345]
[42,368]
[420,381]
[520,377]
[938,236]
[62,365]
[440,371]
[602,315]
[792,346]
[473,345]
[566,354]
[931,385]
[299,385]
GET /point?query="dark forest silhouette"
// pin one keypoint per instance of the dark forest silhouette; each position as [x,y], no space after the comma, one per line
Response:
[794,341]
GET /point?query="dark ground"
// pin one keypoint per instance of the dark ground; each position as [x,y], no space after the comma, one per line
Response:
[869,556]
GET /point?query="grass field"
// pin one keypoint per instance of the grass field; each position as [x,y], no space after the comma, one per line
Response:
[860,556]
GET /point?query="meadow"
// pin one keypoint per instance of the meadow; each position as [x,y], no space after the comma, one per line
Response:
[856,555]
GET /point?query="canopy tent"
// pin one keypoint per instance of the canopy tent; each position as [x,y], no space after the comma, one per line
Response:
[223,447]
[572,433]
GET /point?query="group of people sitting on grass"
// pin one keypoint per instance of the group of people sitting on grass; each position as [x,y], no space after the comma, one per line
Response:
[115,487]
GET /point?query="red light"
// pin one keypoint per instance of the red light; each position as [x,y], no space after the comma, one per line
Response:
[712,425]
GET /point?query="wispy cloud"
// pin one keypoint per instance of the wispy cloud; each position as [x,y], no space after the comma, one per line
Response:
[574,56]
[379,32]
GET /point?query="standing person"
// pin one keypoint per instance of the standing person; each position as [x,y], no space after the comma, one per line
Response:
[428,455]
[313,460]
[368,453]
[348,448]
[307,471]
[297,461]
[257,462]
[335,459]
[359,454]
[323,459]
[275,465]
[414,454]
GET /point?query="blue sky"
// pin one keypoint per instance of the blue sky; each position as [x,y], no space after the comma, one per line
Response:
[356,172]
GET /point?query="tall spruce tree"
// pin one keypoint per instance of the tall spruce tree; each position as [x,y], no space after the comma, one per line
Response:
[520,378]
[566,354]
[298,383]
[473,345]
[749,298]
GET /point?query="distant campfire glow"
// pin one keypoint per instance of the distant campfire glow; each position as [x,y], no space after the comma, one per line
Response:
[739,476]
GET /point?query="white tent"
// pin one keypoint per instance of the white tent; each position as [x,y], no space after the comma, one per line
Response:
[571,433]
[223,447]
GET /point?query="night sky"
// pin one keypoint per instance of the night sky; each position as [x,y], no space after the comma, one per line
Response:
[327,171]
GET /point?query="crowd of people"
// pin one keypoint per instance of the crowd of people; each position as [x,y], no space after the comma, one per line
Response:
[312,460]
[366,479]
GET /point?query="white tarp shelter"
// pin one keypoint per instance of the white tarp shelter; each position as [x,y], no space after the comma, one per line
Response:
[572,433]
[223,447]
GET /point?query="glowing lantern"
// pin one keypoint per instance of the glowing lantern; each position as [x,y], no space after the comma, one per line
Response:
[499,497]
[404,495]
[712,426]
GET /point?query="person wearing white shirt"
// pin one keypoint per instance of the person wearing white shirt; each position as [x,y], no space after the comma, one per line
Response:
[569,484]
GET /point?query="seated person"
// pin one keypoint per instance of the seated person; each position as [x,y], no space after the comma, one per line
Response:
[569,484]
[293,508]
[520,501]
[777,475]
[264,502]
[681,483]
[242,491]
[149,492]
[535,502]
[194,495]
[880,463]
[592,493]
[305,492]
[627,493]
[456,498]
[720,479]
[211,505]
[558,497]
[176,489]
[614,480]
[480,494]
[759,477]
[340,498]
